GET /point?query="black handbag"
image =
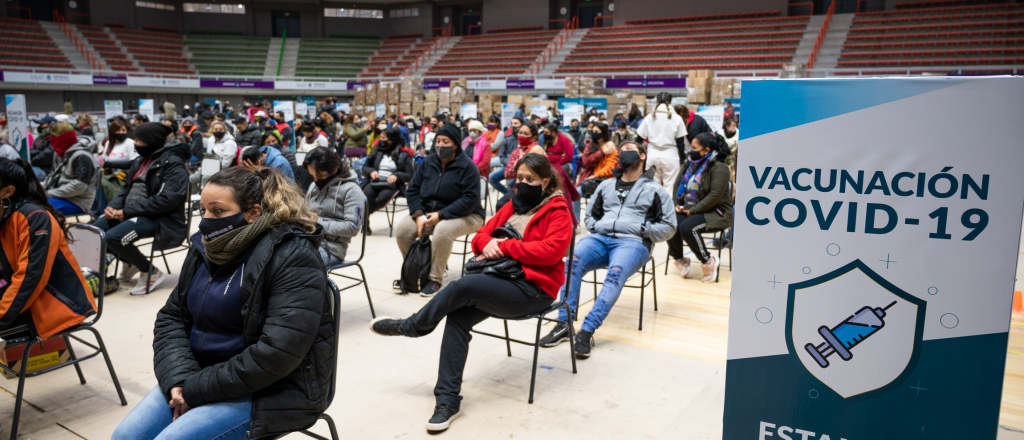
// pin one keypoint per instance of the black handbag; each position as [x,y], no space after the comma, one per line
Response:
[383,184]
[505,267]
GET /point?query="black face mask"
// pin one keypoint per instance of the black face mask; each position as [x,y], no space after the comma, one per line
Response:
[42,129]
[628,158]
[384,145]
[145,150]
[212,228]
[445,152]
[526,197]
[218,134]
[187,127]
[120,137]
[322,183]
[695,155]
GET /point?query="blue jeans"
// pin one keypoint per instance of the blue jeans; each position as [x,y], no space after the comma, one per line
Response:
[151,420]
[497,178]
[622,257]
[65,207]
[358,165]
[40,173]
[576,203]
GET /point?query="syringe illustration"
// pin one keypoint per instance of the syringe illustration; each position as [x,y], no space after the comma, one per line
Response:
[848,334]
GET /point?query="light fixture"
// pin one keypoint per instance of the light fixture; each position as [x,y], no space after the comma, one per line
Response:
[611,7]
[240,6]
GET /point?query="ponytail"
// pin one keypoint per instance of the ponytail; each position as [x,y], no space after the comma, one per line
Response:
[19,173]
[716,143]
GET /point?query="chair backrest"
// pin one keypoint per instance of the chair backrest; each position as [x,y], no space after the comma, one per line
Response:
[336,314]
[90,250]
[209,167]
[300,158]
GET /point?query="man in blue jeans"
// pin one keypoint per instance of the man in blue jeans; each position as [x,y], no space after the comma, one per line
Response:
[626,217]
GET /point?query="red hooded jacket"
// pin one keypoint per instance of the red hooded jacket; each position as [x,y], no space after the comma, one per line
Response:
[545,243]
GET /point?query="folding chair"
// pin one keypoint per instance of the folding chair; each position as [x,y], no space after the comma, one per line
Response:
[90,249]
[644,282]
[558,304]
[391,214]
[164,252]
[336,310]
[332,270]
[719,235]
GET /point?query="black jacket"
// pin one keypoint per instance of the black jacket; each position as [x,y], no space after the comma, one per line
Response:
[287,330]
[42,152]
[403,164]
[250,136]
[167,184]
[454,191]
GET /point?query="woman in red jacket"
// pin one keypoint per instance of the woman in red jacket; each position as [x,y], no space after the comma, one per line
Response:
[541,215]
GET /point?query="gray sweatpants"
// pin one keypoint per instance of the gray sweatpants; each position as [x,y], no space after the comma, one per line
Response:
[441,239]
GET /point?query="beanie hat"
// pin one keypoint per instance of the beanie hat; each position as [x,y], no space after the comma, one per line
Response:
[153,134]
[451,132]
[476,125]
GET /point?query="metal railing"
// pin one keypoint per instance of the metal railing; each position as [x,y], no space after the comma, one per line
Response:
[821,35]
[280,55]
[563,35]
[81,45]
[439,42]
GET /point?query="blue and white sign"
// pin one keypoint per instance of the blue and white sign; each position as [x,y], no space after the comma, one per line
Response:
[146,108]
[163,82]
[311,85]
[17,124]
[875,274]
[47,78]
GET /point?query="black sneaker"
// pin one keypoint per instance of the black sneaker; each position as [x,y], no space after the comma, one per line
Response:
[443,416]
[584,341]
[430,289]
[557,336]
[397,285]
[387,326]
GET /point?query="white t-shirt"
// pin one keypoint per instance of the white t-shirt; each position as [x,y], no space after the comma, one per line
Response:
[662,128]
[305,147]
[123,151]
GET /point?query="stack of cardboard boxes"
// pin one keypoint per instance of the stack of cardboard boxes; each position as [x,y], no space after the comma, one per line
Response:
[583,87]
[723,88]
[699,84]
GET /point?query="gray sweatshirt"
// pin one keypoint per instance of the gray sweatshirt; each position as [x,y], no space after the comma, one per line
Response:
[342,206]
[647,215]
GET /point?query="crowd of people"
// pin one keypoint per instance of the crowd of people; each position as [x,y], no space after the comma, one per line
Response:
[285,206]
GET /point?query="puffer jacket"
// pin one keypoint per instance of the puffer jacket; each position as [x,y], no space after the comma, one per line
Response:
[342,206]
[250,136]
[714,196]
[510,144]
[276,160]
[404,171]
[453,190]
[288,336]
[647,216]
[167,185]
[44,275]
[72,179]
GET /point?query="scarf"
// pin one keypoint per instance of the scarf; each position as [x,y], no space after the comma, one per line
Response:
[62,142]
[491,135]
[225,248]
[692,179]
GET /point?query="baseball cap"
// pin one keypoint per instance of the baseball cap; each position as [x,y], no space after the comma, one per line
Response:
[45,120]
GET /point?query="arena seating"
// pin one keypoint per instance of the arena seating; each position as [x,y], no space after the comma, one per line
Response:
[228,54]
[153,51]
[954,36]
[26,44]
[394,55]
[503,53]
[334,57]
[755,40]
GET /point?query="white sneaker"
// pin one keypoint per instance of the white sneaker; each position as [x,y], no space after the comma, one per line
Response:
[155,280]
[683,264]
[128,271]
[710,270]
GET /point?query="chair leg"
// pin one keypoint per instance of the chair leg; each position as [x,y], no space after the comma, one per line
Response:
[643,284]
[110,366]
[572,342]
[668,260]
[508,343]
[21,390]
[654,284]
[71,351]
[536,352]
[149,273]
[166,264]
[367,287]
[465,247]
[330,425]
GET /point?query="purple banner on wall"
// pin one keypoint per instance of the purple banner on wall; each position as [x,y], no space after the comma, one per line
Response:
[353,85]
[237,84]
[433,85]
[520,84]
[110,80]
[1,76]
[651,83]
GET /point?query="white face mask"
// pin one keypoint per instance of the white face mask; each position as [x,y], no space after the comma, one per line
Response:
[382,127]
[474,135]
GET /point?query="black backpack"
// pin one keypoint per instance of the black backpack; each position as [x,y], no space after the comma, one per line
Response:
[416,267]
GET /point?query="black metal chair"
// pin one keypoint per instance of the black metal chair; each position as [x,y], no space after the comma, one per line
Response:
[336,310]
[558,304]
[393,212]
[332,270]
[644,282]
[189,205]
[89,249]
[720,236]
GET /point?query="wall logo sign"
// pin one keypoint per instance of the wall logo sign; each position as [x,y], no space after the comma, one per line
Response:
[854,330]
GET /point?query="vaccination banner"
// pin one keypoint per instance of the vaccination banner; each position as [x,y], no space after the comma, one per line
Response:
[713,115]
[146,107]
[112,109]
[874,271]
[17,124]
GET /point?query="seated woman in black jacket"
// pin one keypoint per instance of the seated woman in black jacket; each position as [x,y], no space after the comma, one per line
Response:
[244,346]
[444,202]
[151,203]
[387,170]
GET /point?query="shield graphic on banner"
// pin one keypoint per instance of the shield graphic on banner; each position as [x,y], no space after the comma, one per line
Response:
[853,330]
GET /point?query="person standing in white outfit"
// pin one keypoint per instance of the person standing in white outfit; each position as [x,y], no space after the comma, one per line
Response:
[662,129]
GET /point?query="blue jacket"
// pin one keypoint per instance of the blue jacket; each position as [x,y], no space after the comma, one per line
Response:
[276,160]
[214,301]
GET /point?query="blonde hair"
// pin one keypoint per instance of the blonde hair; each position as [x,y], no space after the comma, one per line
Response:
[278,195]
[209,130]
[85,118]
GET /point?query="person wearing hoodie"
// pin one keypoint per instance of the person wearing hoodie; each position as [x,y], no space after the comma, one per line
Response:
[477,148]
[510,144]
[243,346]
[444,202]
[312,139]
[151,204]
[248,133]
[222,144]
[387,170]
[71,186]
[542,217]
[626,216]
[271,140]
[254,157]
[336,196]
